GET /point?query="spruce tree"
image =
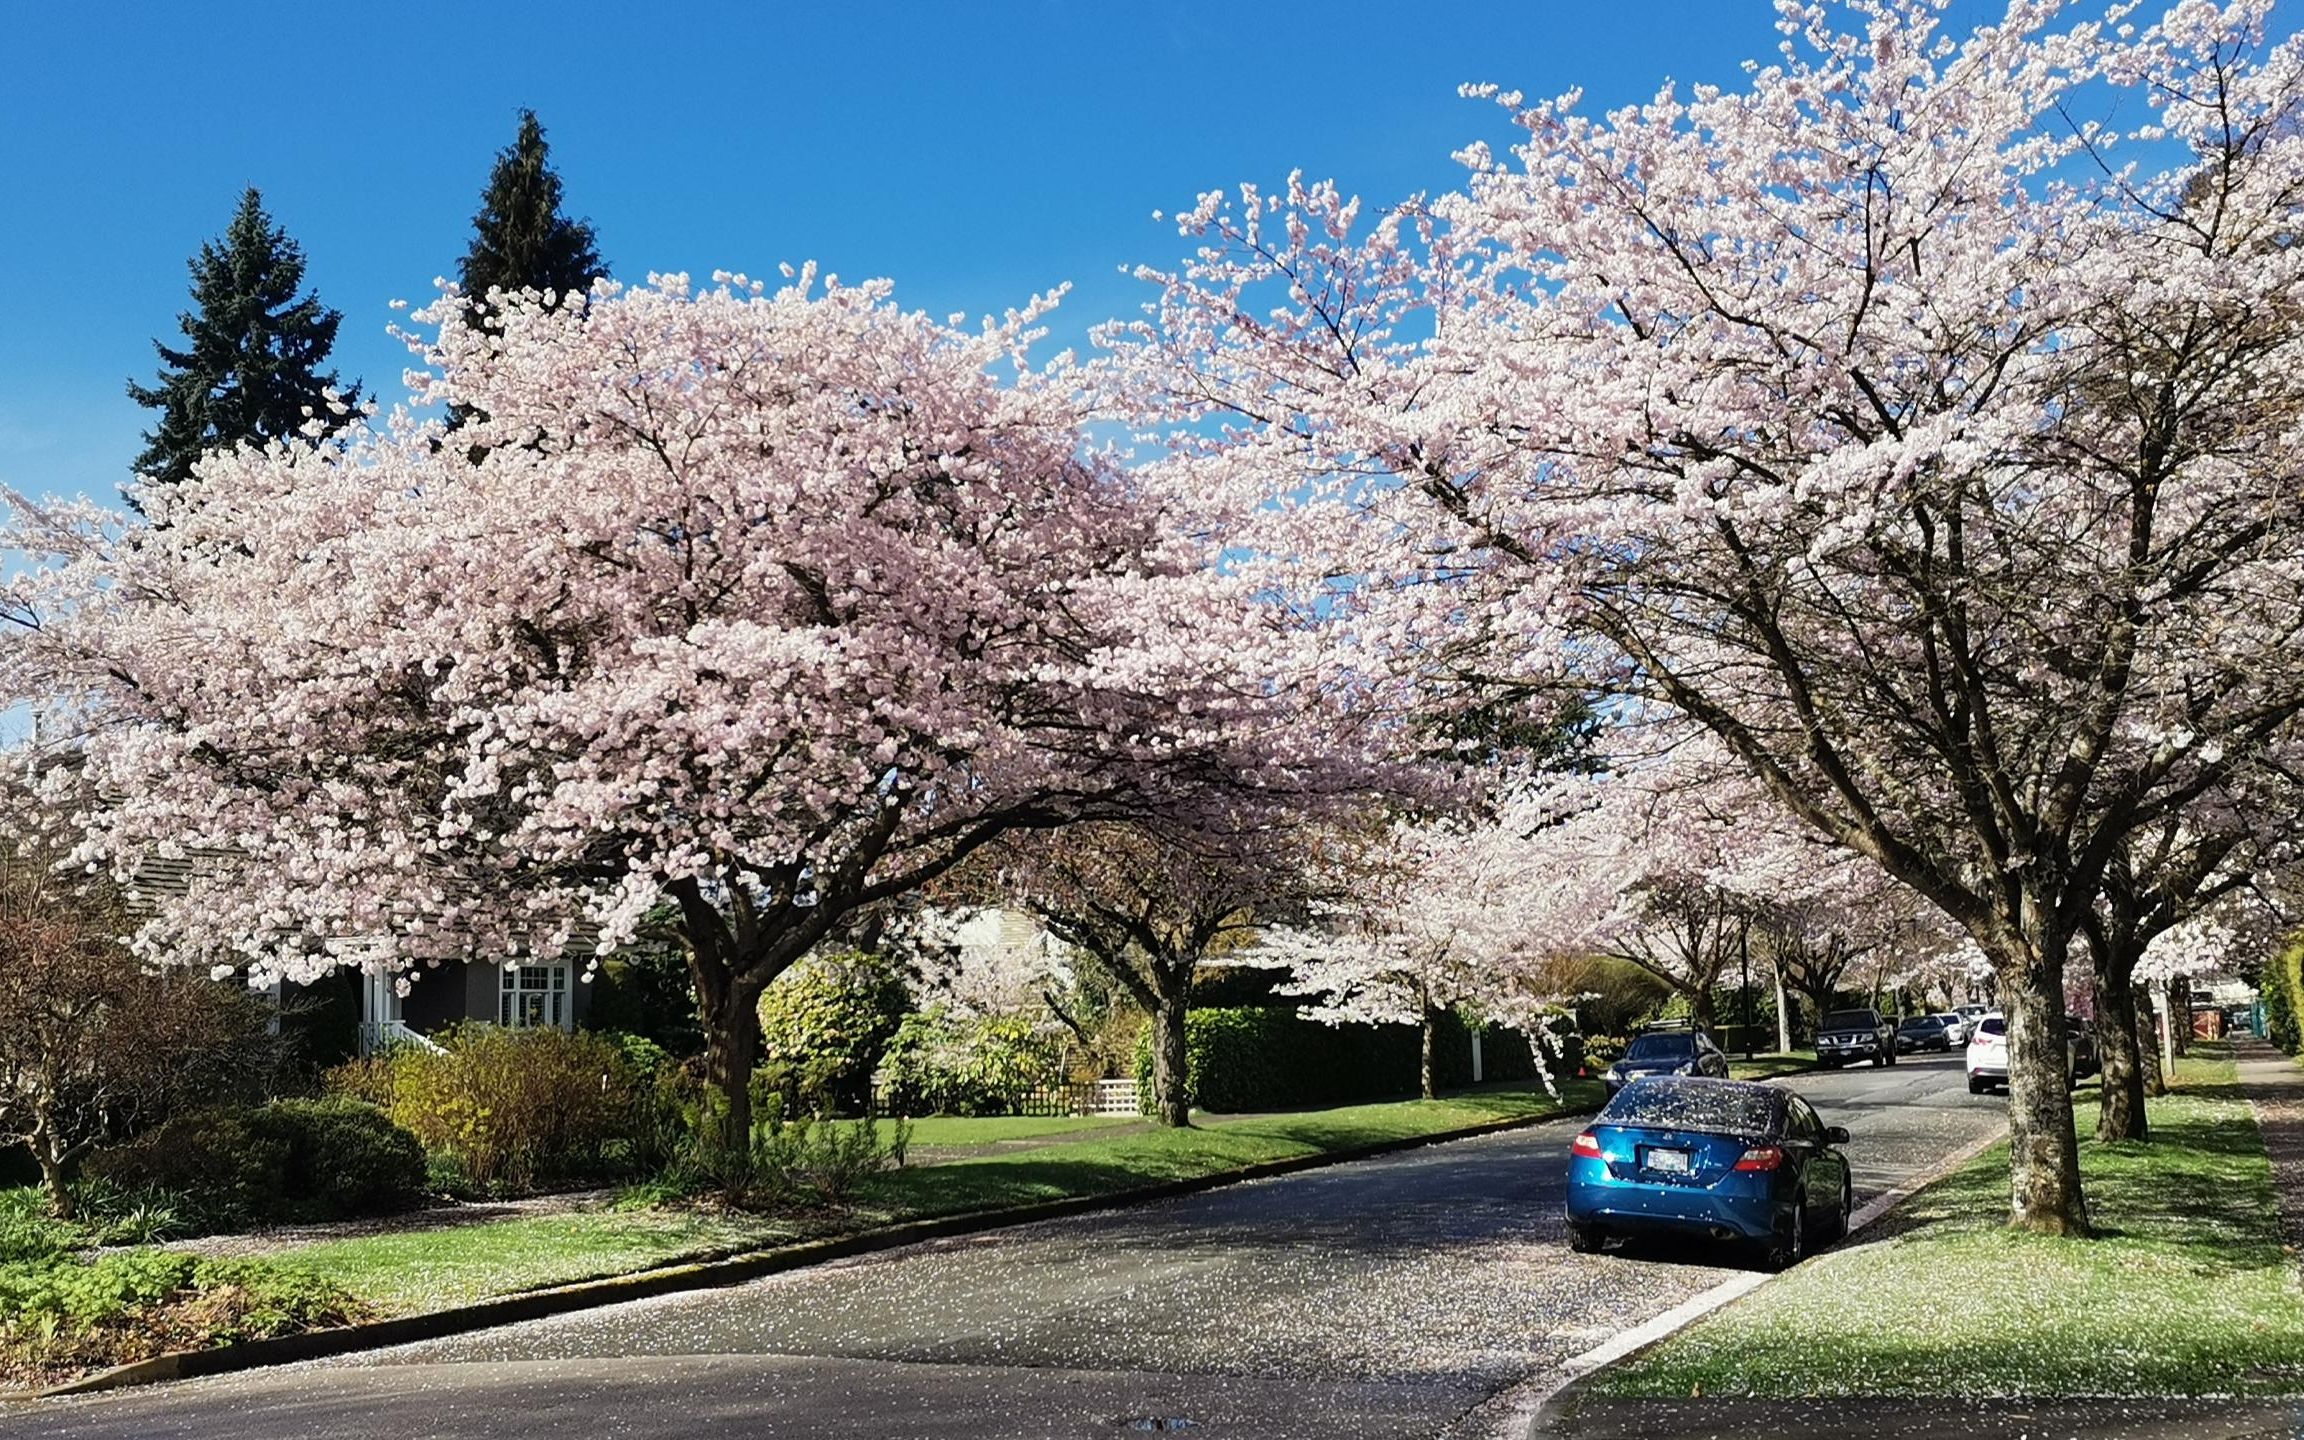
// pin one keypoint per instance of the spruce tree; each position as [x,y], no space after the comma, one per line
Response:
[521,241]
[250,366]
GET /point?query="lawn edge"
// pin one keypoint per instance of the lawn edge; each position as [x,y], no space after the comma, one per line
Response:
[718,1273]
[1537,1407]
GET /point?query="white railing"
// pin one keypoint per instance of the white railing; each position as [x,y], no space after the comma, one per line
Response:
[1109,1097]
[380,1035]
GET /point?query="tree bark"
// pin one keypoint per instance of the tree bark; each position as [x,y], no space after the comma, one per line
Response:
[2043,1146]
[2120,1107]
[730,1012]
[1783,1017]
[2148,1044]
[1171,1082]
[1428,1069]
[2179,1014]
[52,1178]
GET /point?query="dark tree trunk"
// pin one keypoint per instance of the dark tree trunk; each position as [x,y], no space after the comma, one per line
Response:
[52,1167]
[1428,1070]
[1171,1083]
[2179,1014]
[2147,1044]
[2120,1107]
[730,1014]
[2043,1146]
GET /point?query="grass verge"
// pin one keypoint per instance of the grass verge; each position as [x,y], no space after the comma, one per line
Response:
[2186,1291]
[1771,1065]
[956,1132]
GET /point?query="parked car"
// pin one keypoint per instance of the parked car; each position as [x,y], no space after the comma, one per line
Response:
[1956,1028]
[1987,1057]
[1921,1032]
[1986,1060]
[1667,1050]
[1846,1036]
[1971,1013]
[1752,1166]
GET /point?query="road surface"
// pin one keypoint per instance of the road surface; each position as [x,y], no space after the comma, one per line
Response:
[1387,1298]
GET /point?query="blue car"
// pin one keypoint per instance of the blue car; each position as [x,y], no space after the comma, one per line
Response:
[1726,1160]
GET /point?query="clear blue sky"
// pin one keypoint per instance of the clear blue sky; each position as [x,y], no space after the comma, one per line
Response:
[975,153]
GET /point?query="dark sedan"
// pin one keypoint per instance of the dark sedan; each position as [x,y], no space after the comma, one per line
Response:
[1725,1160]
[1667,1052]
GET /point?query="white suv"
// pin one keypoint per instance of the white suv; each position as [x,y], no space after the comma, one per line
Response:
[1987,1061]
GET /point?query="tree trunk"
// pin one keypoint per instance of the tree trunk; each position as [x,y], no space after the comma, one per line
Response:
[1171,1083]
[1783,1017]
[1700,1009]
[2148,1044]
[1428,1069]
[731,1020]
[2179,1014]
[52,1179]
[2043,1146]
[2120,1107]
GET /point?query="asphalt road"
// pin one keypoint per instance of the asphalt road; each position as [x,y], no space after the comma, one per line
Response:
[1393,1297]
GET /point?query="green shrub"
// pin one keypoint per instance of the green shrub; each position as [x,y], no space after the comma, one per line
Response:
[139,1302]
[28,1234]
[230,1167]
[517,1108]
[798,1163]
[1273,1058]
[345,1157]
[2283,989]
[823,1026]
[943,1064]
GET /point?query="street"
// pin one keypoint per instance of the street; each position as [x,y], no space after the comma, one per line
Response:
[1385,1298]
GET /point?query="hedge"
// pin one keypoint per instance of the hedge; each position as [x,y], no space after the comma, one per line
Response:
[1273,1058]
[2284,998]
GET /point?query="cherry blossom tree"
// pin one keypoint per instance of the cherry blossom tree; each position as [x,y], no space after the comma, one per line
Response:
[1428,914]
[769,605]
[1919,416]
[1153,900]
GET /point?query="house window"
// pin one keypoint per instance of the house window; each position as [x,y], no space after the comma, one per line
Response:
[533,995]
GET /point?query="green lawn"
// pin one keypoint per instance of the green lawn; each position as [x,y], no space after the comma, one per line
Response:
[954,1132]
[2186,1292]
[427,1269]
[413,1270]
[1771,1065]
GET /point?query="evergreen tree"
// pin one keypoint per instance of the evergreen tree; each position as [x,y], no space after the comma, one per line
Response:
[250,367]
[521,240]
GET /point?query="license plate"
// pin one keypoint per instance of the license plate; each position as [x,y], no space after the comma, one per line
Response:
[1674,1161]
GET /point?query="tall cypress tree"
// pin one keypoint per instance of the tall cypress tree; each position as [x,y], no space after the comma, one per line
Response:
[521,241]
[250,367]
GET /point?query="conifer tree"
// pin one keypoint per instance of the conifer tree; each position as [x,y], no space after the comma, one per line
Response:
[250,369]
[521,241]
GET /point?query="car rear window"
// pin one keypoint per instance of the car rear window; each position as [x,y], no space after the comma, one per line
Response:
[1661,1047]
[1993,1026]
[1719,1106]
[1849,1020]
[1922,1022]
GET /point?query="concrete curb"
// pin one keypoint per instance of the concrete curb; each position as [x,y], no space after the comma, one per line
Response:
[1537,1407]
[713,1274]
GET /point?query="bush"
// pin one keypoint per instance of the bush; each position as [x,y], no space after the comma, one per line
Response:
[2282,986]
[230,1168]
[797,1163]
[345,1157]
[133,1303]
[1272,1058]
[516,1108]
[943,1064]
[823,1026]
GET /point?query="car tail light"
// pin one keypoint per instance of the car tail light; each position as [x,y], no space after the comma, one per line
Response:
[1586,1144]
[1761,1157]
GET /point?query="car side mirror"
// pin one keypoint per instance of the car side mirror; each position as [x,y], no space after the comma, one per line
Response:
[1836,1134]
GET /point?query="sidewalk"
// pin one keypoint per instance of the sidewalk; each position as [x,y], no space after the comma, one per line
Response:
[2274,1084]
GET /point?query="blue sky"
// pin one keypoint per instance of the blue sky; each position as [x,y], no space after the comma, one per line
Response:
[976,153]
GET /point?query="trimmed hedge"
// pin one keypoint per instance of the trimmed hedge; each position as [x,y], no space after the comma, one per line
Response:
[1270,1057]
[2283,989]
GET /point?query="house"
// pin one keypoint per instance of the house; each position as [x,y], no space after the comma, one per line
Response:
[552,993]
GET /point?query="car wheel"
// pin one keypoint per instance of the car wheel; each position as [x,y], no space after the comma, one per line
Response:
[1783,1251]
[1838,1230]
[1584,1239]
[1976,1086]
